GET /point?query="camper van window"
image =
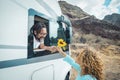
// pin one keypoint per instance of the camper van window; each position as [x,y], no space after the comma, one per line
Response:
[38,34]
[50,36]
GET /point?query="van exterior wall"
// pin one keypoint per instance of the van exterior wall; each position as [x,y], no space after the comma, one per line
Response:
[13,30]
[13,41]
[14,25]
[24,72]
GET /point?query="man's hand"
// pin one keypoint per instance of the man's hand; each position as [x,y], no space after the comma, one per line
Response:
[53,49]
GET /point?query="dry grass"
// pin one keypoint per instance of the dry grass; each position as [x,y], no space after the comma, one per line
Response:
[91,38]
[110,54]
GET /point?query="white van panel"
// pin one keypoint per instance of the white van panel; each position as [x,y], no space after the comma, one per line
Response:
[13,24]
[52,8]
[12,54]
[23,72]
[34,5]
[47,71]
[26,72]
[55,7]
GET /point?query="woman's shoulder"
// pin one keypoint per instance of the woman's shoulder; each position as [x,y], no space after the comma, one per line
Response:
[85,77]
[89,77]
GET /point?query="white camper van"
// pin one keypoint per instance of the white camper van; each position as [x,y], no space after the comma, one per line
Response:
[18,59]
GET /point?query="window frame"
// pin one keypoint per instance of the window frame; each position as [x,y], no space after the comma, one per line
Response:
[31,52]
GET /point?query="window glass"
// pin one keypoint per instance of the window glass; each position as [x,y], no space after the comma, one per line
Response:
[53,33]
[57,31]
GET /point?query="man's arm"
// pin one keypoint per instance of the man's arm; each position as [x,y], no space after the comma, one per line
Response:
[49,48]
[42,46]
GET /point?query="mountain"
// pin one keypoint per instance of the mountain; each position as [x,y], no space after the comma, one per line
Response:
[101,35]
[73,12]
[113,18]
[88,29]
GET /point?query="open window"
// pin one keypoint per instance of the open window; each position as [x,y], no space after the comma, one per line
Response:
[34,19]
[56,30]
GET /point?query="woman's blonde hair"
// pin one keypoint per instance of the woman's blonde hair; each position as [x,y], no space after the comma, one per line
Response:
[90,63]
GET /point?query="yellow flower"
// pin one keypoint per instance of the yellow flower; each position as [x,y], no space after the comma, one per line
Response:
[61,43]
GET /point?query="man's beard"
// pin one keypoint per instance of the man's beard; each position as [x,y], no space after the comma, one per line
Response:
[39,38]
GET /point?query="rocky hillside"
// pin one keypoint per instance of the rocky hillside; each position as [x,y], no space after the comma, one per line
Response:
[114,19]
[87,28]
[73,12]
[103,36]
[97,27]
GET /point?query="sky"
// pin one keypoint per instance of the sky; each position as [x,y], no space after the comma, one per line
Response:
[98,8]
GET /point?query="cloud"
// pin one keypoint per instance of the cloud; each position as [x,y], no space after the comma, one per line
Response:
[93,7]
[98,8]
[115,4]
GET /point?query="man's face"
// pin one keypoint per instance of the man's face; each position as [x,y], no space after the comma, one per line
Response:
[41,34]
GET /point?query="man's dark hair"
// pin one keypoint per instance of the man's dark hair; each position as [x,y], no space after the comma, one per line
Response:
[37,27]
